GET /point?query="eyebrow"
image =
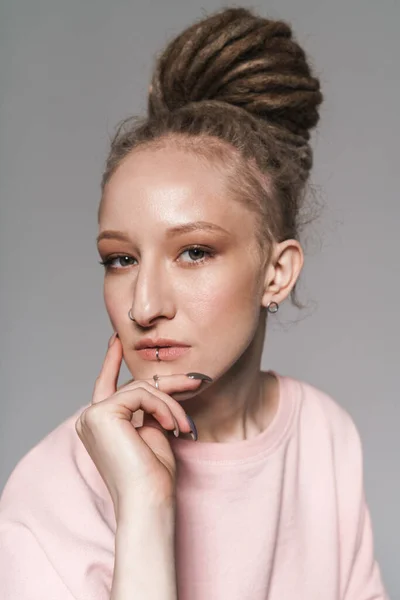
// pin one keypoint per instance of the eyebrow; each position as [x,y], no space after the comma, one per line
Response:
[171,232]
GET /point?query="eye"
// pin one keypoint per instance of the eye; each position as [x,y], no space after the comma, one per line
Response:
[197,255]
[107,263]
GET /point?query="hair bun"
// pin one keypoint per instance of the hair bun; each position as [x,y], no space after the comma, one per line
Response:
[247,61]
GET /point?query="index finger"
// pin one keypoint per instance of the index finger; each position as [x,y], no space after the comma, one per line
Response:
[106,383]
[176,385]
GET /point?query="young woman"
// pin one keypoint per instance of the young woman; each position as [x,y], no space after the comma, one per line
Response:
[203,477]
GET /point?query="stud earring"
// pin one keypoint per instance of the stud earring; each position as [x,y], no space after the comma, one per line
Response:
[273,307]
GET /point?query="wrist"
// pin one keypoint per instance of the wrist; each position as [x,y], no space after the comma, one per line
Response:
[144,564]
[144,504]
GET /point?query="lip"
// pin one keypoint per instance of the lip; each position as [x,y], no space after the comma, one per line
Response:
[165,353]
[159,343]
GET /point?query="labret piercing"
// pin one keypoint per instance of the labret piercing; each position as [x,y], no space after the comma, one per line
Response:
[272,307]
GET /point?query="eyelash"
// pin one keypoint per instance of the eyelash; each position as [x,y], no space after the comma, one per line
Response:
[107,261]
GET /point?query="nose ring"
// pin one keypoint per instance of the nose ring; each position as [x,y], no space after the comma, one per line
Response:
[130,315]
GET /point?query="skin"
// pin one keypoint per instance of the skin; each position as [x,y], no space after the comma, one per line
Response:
[215,303]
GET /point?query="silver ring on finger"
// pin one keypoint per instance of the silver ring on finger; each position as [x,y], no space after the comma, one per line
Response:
[156,378]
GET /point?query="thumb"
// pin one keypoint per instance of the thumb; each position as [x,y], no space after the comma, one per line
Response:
[106,382]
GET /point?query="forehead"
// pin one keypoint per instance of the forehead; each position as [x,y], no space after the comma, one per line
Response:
[170,185]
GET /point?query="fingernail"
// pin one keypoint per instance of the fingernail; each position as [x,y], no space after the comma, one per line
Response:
[112,338]
[199,376]
[193,429]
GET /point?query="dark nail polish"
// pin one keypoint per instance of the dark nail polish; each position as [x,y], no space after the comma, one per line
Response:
[199,376]
[192,427]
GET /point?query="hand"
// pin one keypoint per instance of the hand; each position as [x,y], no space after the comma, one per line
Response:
[134,461]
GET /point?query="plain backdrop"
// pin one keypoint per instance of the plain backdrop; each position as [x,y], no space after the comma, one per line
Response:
[69,71]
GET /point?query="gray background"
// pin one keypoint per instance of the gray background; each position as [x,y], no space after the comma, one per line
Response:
[69,71]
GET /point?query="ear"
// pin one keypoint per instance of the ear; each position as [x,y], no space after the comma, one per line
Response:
[282,271]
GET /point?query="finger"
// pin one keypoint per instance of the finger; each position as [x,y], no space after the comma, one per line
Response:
[106,382]
[145,399]
[175,407]
[125,383]
[150,421]
[175,384]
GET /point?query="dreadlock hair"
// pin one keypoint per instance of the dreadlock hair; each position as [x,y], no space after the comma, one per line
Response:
[236,89]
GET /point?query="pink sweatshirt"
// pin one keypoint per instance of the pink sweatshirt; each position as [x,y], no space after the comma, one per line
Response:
[281,516]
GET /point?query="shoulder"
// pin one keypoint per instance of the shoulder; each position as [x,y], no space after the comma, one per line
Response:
[329,454]
[56,477]
[324,423]
[57,522]
[318,407]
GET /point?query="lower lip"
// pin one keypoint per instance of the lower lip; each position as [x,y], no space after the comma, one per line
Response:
[167,353]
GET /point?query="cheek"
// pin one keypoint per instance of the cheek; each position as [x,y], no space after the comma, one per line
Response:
[114,303]
[225,299]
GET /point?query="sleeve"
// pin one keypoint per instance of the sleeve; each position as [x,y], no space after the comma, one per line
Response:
[26,573]
[365,582]
[363,576]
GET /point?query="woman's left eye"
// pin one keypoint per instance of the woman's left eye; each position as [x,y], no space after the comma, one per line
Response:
[197,255]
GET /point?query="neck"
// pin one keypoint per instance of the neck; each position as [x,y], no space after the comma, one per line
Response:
[237,406]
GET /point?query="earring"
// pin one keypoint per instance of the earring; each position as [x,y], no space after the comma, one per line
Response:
[273,307]
[130,315]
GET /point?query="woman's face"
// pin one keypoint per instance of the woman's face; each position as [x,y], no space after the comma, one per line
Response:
[183,257]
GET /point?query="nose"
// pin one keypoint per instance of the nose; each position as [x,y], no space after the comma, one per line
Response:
[152,296]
